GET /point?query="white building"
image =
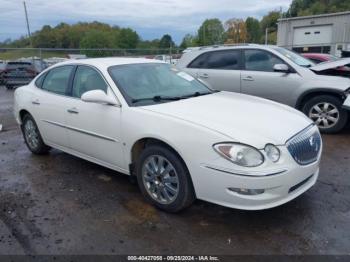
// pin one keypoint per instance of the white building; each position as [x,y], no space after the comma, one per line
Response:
[327,33]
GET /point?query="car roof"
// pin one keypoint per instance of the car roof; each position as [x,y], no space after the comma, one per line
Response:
[192,53]
[109,61]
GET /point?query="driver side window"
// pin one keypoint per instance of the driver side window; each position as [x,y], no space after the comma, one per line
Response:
[87,79]
[259,60]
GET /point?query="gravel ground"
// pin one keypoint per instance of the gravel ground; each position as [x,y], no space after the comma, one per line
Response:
[60,204]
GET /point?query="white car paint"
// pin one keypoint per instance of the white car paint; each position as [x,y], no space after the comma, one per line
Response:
[106,134]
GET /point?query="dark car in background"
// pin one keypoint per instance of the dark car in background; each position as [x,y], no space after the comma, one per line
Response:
[18,74]
[2,68]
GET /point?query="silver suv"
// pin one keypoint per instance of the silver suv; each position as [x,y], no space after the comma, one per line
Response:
[274,73]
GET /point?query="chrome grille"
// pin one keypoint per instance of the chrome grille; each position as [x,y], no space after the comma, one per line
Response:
[305,146]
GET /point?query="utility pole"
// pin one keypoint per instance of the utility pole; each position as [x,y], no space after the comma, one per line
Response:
[266,35]
[28,29]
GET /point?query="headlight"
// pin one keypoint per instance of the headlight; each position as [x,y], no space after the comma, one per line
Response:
[240,154]
[272,152]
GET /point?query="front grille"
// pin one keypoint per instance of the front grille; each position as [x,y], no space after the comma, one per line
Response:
[305,146]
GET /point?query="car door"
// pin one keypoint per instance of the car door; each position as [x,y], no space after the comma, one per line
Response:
[219,69]
[48,104]
[258,77]
[94,129]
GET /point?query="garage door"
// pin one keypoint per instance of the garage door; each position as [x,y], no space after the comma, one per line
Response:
[312,35]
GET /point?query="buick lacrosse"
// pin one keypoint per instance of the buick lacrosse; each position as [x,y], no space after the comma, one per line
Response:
[182,140]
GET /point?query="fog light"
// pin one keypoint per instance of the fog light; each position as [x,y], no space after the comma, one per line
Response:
[247,192]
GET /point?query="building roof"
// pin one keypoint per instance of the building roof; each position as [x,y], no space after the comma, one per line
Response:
[313,16]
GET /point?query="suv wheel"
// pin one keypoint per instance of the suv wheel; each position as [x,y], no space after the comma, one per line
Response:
[327,112]
[32,136]
[164,179]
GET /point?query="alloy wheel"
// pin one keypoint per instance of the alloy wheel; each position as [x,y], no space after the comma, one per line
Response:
[325,115]
[160,179]
[31,134]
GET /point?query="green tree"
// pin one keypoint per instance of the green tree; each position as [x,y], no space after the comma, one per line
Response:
[188,41]
[127,38]
[315,7]
[97,39]
[253,30]
[166,42]
[269,22]
[211,32]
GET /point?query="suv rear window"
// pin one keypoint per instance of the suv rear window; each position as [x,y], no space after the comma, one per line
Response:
[14,65]
[225,60]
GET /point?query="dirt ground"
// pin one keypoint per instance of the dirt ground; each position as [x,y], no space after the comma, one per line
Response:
[60,204]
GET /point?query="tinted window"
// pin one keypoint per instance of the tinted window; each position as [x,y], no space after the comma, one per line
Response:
[87,79]
[259,60]
[57,80]
[227,60]
[15,65]
[40,80]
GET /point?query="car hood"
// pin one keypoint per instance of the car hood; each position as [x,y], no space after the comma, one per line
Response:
[331,65]
[242,118]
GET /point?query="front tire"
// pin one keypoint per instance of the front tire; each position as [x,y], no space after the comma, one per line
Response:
[164,179]
[327,113]
[32,136]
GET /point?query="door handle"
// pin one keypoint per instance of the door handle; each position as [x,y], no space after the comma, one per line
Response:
[248,78]
[73,111]
[36,102]
[205,75]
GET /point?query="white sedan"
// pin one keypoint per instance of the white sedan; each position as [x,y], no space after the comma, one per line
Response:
[180,139]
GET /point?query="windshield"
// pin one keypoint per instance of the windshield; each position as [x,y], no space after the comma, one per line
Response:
[296,58]
[151,83]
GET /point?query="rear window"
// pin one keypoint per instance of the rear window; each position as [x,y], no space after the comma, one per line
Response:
[14,65]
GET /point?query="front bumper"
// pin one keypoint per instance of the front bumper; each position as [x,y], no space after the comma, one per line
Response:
[279,187]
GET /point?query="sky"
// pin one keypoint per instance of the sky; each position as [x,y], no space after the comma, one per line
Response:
[150,18]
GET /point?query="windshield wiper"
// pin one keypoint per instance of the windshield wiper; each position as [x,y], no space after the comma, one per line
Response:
[156,99]
[195,94]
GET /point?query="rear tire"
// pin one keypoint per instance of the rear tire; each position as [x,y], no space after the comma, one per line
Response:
[32,136]
[327,112]
[164,179]
[9,87]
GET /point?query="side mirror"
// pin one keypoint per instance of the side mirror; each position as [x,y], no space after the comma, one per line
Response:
[281,68]
[100,97]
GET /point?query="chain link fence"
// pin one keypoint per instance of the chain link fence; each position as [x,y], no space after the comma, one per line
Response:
[54,55]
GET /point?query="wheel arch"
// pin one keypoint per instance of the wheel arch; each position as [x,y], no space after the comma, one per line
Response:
[22,113]
[317,92]
[142,143]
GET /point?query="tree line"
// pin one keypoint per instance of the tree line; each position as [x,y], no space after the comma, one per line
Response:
[212,31]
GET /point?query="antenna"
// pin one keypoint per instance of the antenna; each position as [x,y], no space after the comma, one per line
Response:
[26,14]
